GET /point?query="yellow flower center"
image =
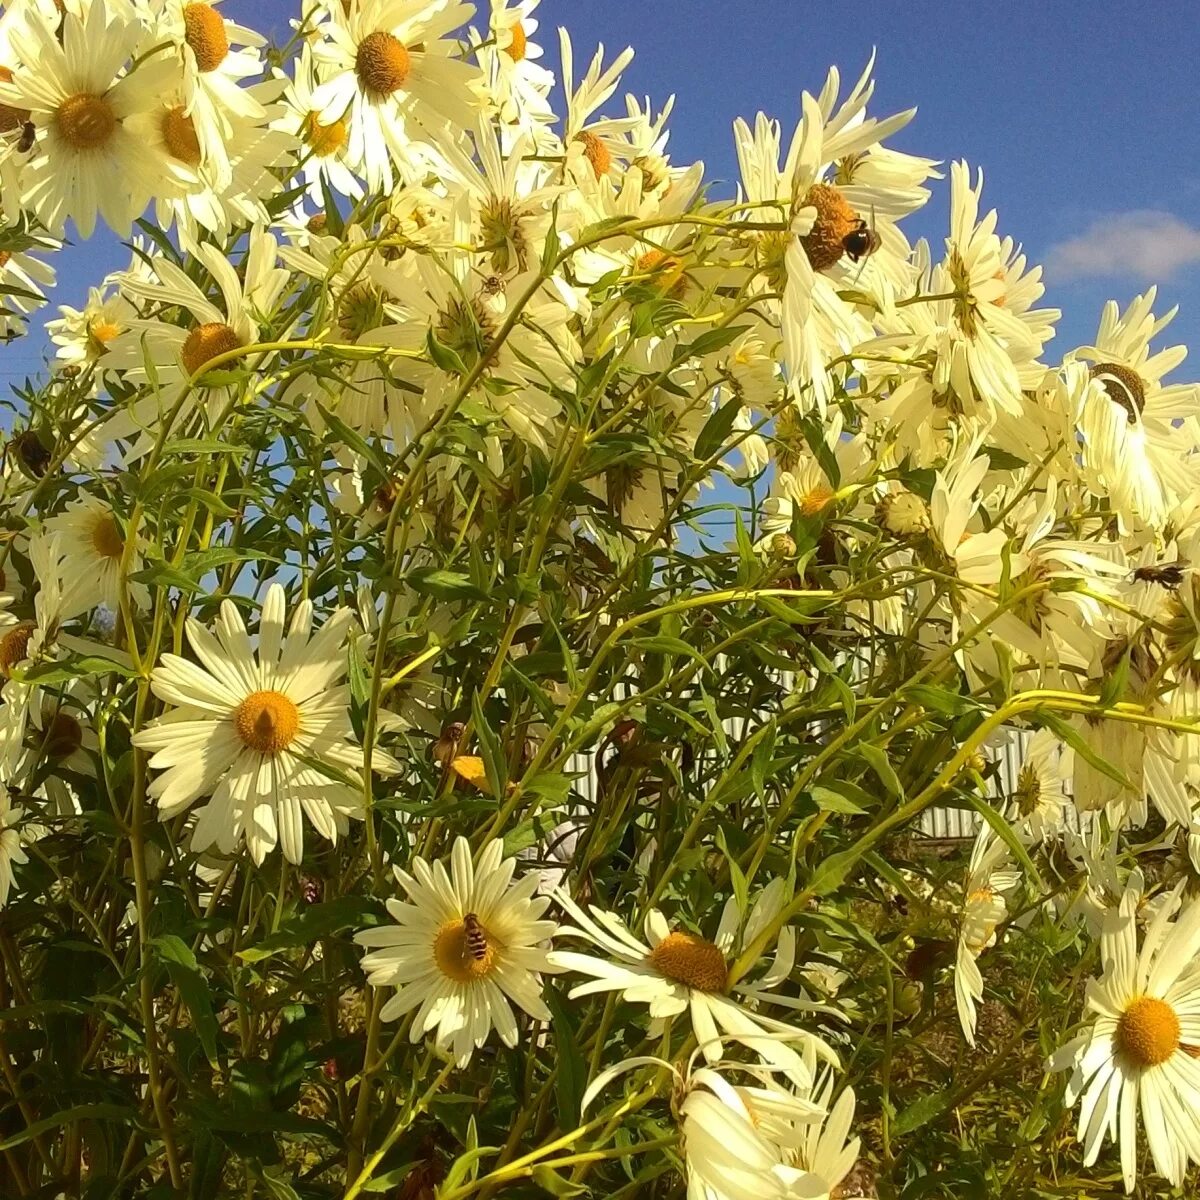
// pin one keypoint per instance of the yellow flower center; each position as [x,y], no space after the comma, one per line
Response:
[106,537]
[205,342]
[325,140]
[62,735]
[179,136]
[691,960]
[517,45]
[835,221]
[1123,386]
[815,499]
[317,222]
[14,645]
[382,63]
[464,951]
[85,122]
[267,721]
[668,271]
[1148,1031]
[99,333]
[10,118]
[204,31]
[596,152]
[5,256]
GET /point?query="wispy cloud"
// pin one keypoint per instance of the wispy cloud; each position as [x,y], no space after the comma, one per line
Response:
[1144,243]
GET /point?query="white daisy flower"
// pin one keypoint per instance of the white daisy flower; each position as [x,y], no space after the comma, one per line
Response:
[325,152]
[740,1141]
[518,84]
[212,102]
[466,946]
[1140,435]
[1042,794]
[1142,1045]
[827,1152]
[251,730]
[205,198]
[388,69]
[24,280]
[92,543]
[675,972]
[989,877]
[11,836]
[176,354]
[82,335]
[465,309]
[86,159]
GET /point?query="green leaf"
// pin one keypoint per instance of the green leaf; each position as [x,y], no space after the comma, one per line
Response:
[921,1112]
[711,340]
[878,761]
[551,1181]
[737,878]
[443,357]
[1004,831]
[355,441]
[717,429]
[491,749]
[826,799]
[831,873]
[186,975]
[445,585]
[531,831]
[317,921]
[762,760]
[570,1075]
[123,1114]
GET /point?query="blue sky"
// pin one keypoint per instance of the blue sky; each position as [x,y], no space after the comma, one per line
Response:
[1085,125]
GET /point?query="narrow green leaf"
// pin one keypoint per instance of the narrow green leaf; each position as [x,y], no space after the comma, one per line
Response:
[187,977]
[491,749]
[570,1076]
[878,761]
[717,429]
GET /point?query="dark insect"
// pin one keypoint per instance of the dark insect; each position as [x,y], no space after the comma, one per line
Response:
[28,133]
[477,943]
[1170,575]
[32,454]
[861,242]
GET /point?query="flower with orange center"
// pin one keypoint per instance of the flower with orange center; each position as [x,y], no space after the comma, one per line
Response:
[246,729]
[87,159]
[206,342]
[204,32]
[382,63]
[14,646]
[1138,1050]
[596,152]
[324,140]
[517,43]
[466,945]
[179,135]
[93,548]
[386,69]
[675,971]
[664,271]
[85,122]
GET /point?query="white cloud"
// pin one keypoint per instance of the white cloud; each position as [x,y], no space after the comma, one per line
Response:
[1144,243]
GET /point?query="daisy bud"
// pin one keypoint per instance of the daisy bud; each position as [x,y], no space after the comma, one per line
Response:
[903,514]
